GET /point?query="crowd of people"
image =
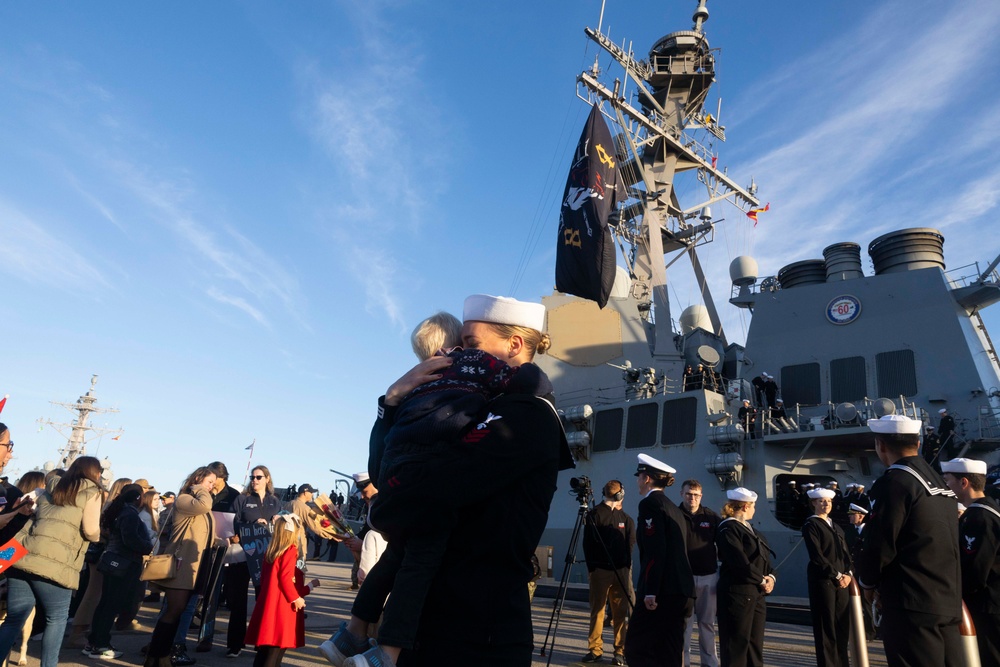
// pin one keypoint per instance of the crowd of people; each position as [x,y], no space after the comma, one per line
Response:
[475,417]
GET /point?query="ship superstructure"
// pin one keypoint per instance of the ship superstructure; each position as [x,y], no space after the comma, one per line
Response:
[842,345]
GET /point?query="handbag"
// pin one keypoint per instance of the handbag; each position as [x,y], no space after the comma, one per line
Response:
[113,565]
[158,567]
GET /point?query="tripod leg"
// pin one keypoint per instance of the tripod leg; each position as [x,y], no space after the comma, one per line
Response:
[557,605]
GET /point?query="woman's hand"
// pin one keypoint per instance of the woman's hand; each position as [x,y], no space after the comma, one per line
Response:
[844,581]
[298,604]
[263,521]
[425,371]
[314,583]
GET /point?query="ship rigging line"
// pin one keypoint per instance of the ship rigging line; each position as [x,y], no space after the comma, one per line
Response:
[543,208]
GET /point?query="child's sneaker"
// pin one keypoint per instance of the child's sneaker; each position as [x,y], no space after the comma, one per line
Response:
[341,646]
[373,657]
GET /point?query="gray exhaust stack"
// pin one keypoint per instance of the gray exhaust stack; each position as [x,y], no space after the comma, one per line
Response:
[907,250]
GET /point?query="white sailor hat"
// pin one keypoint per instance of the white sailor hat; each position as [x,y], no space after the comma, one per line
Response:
[895,424]
[504,310]
[832,483]
[649,465]
[942,411]
[808,485]
[971,466]
[792,482]
[821,493]
[741,495]
[779,400]
[852,485]
[856,509]
[360,477]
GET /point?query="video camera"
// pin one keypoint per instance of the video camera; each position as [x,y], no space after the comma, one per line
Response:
[581,488]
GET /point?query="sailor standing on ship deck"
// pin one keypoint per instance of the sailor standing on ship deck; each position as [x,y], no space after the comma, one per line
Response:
[829,575]
[979,550]
[665,593]
[910,552]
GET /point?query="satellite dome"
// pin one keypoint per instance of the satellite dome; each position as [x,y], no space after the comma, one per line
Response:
[695,317]
[743,270]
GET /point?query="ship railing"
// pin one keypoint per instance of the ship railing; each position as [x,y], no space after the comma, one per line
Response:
[963,276]
[831,416]
[989,422]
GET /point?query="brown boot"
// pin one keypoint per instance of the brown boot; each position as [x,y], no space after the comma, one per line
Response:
[77,637]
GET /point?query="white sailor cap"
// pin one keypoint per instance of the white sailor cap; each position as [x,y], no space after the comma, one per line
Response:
[792,482]
[856,509]
[851,486]
[832,483]
[971,466]
[360,477]
[942,411]
[649,465]
[821,493]
[779,400]
[895,424]
[741,495]
[808,485]
[504,310]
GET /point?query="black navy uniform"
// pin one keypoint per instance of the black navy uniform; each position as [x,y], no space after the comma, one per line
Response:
[500,477]
[910,553]
[979,550]
[745,560]
[656,637]
[829,561]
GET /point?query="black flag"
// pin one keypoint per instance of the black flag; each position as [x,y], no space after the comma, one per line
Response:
[585,251]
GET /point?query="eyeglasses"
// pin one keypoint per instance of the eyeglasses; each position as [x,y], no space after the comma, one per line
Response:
[8,445]
[257,477]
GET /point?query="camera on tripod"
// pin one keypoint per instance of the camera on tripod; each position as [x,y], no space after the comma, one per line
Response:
[581,488]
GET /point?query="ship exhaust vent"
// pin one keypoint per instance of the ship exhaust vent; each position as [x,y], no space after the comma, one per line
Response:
[843,262]
[907,250]
[806,272]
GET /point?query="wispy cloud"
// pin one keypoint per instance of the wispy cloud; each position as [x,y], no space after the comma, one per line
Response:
[35,255]
[383,134]
[237,302]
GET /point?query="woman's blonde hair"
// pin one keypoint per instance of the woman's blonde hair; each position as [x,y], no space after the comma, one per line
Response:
[732,507]
[536,341]
[282,538]
[115,488]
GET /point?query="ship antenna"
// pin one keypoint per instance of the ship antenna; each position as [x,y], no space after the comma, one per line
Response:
[700,15]
[600,21]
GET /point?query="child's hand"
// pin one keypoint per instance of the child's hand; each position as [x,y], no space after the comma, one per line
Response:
[314,583]
[298,604]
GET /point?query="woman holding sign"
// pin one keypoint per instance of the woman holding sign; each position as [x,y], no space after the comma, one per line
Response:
[257,504]
[192,532]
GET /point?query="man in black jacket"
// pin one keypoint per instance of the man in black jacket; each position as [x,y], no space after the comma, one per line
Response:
[979,549]
[910,552]
[665,594]
[608,539]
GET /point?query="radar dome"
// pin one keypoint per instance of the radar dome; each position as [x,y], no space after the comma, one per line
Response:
[743,270]
[623,283]
[695,317]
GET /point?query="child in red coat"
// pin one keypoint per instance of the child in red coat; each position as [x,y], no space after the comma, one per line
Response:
[278,622]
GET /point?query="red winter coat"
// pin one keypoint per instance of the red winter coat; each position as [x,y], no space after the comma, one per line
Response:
[274,623]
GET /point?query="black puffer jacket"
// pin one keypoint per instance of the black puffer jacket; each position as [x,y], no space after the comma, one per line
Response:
[129,537]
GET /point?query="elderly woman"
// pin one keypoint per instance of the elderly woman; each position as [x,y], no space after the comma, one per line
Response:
[500,471]
[829,575]
[745,577]
[67,519]
[192,532]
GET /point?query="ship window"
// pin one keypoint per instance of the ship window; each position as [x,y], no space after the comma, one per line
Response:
[679,420]
[800,385]
[897,373]
[847,379]
[608,430]
[641,430]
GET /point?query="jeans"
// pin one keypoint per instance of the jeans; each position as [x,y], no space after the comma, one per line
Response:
[22,592]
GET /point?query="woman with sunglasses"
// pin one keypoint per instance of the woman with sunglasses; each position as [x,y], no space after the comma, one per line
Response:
[257,504]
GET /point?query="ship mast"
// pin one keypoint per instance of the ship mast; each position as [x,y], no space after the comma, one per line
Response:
[655,145]
[80,432]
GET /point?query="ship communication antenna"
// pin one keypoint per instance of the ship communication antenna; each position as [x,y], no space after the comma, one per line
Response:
[79,432]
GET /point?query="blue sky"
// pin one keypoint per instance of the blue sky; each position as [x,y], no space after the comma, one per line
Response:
[234,213]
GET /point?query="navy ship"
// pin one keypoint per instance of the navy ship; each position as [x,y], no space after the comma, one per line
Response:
[828,347]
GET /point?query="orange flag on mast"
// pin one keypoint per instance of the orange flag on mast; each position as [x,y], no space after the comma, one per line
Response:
[752,213]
